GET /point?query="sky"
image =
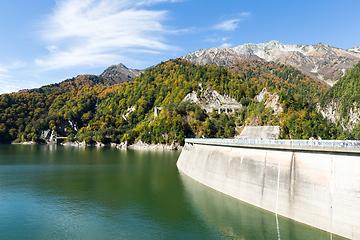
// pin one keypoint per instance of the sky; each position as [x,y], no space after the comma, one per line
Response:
[47,41]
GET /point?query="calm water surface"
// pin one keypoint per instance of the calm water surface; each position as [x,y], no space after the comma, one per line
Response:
[55,192]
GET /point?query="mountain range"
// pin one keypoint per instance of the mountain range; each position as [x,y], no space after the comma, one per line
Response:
[319,61]
[151,105]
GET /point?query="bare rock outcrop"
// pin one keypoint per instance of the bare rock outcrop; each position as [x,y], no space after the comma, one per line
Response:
[210,99]
[271,101]
[332,113]
[48,136]
[140,145]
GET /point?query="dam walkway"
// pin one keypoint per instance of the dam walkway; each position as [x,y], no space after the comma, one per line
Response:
[351,147]
[317,143]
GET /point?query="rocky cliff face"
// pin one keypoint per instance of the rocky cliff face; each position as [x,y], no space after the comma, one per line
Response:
[340,104]
[270,101]
[319,61]
[210,99]
[120,73]
[332,112]
[354,49]
[219,56]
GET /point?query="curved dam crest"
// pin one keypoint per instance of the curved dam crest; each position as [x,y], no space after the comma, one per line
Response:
[318,186]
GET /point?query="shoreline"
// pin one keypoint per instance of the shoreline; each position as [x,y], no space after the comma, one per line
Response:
[139,145]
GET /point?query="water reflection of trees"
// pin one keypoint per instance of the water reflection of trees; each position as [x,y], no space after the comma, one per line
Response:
[239,220]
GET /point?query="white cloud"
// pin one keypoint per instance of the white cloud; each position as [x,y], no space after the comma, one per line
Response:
[99,32]
[9,85]
[244,14]
[4,77]
[2,69]
[150,2]
[13,64]
[228,25]
[226,45]
[231,25]
[216,39]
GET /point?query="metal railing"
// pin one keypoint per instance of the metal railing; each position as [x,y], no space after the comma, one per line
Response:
[319,143]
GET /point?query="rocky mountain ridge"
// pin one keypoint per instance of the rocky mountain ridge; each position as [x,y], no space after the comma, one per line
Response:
[355,49]
[119,74]
[219,56]
[319,61]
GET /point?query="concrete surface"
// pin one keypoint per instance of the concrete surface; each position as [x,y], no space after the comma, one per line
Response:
[260,132]
[318,187]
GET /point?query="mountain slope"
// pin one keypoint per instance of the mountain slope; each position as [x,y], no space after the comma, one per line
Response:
[125,112]
[280,78]
[112,75]
[341,104]
[319,61]
[354,49]
[119,74]
[71,84]
[219,56]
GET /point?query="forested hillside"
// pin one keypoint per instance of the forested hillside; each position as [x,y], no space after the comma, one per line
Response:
[341,103]
[125,111]
[346,91]
[281,78]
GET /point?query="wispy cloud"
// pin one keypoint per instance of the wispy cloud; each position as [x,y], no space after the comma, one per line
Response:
[244,14]
[232,24]
[13,64]
[2,69]
[228,25]
[226,45]
[99,32]
[150,2]
[8,84]
[220,40]
[215,39]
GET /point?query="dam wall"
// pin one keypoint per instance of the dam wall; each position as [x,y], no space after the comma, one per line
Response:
[316,185]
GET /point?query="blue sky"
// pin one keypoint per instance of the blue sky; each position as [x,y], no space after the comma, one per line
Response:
[47,41]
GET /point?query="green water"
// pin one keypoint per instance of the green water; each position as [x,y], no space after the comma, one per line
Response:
[55,192]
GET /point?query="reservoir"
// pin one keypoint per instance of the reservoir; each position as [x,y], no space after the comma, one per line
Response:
[56,192]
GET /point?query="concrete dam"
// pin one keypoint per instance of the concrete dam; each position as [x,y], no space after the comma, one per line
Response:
[313,182]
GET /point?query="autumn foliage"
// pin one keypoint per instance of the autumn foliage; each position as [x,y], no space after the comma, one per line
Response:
[114,113]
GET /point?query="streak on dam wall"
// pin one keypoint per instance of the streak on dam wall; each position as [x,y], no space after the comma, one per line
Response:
[313,185]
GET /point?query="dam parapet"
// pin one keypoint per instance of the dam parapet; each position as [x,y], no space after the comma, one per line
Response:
[348,147]
[287,143]
[316,182]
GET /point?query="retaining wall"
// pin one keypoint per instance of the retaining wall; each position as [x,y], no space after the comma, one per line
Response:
[313,185]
